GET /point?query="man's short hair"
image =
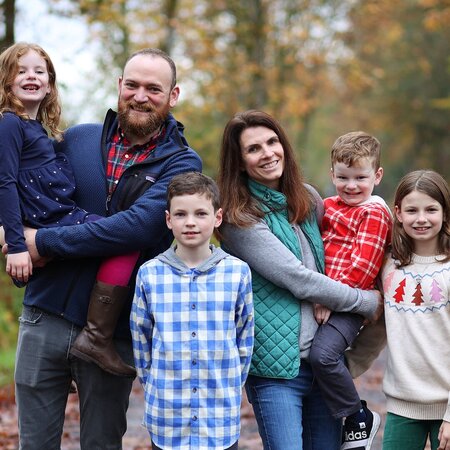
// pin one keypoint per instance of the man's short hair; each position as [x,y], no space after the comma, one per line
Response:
[156,52]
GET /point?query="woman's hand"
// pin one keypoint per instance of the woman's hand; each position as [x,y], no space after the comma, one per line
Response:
[379,311]
[321,313]
[380,307]
[19,266]
[444,436]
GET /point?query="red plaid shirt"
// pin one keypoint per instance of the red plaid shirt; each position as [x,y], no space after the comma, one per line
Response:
[122,155]
[355,239]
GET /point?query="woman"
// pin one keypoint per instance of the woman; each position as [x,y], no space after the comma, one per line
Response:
[271,222]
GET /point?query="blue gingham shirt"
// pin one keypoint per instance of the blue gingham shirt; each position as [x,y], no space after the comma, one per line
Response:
[192,333]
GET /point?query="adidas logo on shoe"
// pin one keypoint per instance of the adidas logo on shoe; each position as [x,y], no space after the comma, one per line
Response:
[360,436]
[356,436]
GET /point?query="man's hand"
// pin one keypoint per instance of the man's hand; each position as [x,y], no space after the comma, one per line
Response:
[444,436]
[30,239]
[321,313]
[19,266]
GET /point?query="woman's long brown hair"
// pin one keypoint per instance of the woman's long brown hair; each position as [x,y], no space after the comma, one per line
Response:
[238,205]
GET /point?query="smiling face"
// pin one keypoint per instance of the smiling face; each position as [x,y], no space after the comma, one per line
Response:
[262,156]
[31,83]
[192,220]
[145,96]
[355,184]
[421,217]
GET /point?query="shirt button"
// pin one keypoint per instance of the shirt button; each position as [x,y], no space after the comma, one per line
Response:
[127,155]
[193,306]
[194,334]
[194,362]
[194,390]
[194,418]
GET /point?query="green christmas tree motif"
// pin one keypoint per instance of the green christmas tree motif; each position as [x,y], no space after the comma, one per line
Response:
[400,291]
[418,296]
[435,292]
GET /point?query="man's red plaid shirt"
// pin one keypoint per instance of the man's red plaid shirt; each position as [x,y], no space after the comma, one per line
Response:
[122,155]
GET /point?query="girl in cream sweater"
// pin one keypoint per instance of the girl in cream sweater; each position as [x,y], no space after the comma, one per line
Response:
[416,283]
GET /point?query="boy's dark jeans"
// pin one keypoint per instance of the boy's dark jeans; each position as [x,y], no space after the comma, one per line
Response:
[330,371]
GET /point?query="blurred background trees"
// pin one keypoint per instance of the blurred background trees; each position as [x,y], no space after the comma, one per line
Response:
[322,67]
[8,16]
[10,306]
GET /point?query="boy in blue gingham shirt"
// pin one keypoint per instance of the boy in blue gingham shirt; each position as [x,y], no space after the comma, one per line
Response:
[192,327]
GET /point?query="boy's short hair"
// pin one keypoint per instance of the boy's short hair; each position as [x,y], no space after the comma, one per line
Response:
[190,183]
[351,147]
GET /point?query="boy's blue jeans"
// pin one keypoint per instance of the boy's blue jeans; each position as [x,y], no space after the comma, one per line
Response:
[233,447]
[291,414]
[43,374]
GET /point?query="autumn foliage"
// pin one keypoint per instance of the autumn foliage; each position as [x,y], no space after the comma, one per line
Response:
[322,67]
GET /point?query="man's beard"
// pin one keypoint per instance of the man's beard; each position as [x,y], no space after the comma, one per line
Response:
[140,125]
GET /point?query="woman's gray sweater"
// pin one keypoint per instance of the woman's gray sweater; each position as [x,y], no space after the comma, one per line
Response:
[264,253]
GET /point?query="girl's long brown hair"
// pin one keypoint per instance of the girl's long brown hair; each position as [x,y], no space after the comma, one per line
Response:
[239,207]
[50,109]
[432,184]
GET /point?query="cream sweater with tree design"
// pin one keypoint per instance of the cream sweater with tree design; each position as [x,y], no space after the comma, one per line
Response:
[417,316]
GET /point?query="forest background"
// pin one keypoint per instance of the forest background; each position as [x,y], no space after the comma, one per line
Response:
[322,67]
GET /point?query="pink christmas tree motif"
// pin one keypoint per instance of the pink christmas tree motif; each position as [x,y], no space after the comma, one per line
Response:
[400,291]
[387,282]
[435,292]
[418,296]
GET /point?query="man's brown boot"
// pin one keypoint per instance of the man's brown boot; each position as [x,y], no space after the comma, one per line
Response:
[95,342]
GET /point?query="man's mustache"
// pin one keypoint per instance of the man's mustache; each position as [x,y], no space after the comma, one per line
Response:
[140,107]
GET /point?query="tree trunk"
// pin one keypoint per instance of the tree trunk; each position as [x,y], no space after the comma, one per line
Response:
[169,10]
[9,15]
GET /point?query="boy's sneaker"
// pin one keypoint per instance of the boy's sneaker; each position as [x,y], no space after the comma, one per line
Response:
[359,436]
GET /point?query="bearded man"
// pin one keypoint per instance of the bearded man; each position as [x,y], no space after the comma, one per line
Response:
[122,170]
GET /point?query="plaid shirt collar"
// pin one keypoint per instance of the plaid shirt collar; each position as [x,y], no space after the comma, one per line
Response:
[122,155]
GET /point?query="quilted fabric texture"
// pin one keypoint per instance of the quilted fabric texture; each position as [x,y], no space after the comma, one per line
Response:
[277,327]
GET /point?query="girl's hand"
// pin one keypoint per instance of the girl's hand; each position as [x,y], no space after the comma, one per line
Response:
[444,436]
[19,266]
[321,314]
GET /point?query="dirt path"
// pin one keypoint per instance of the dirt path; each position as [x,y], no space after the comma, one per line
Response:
[137,438]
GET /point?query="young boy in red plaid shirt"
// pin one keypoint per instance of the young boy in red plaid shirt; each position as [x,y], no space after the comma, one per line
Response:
[355,231]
